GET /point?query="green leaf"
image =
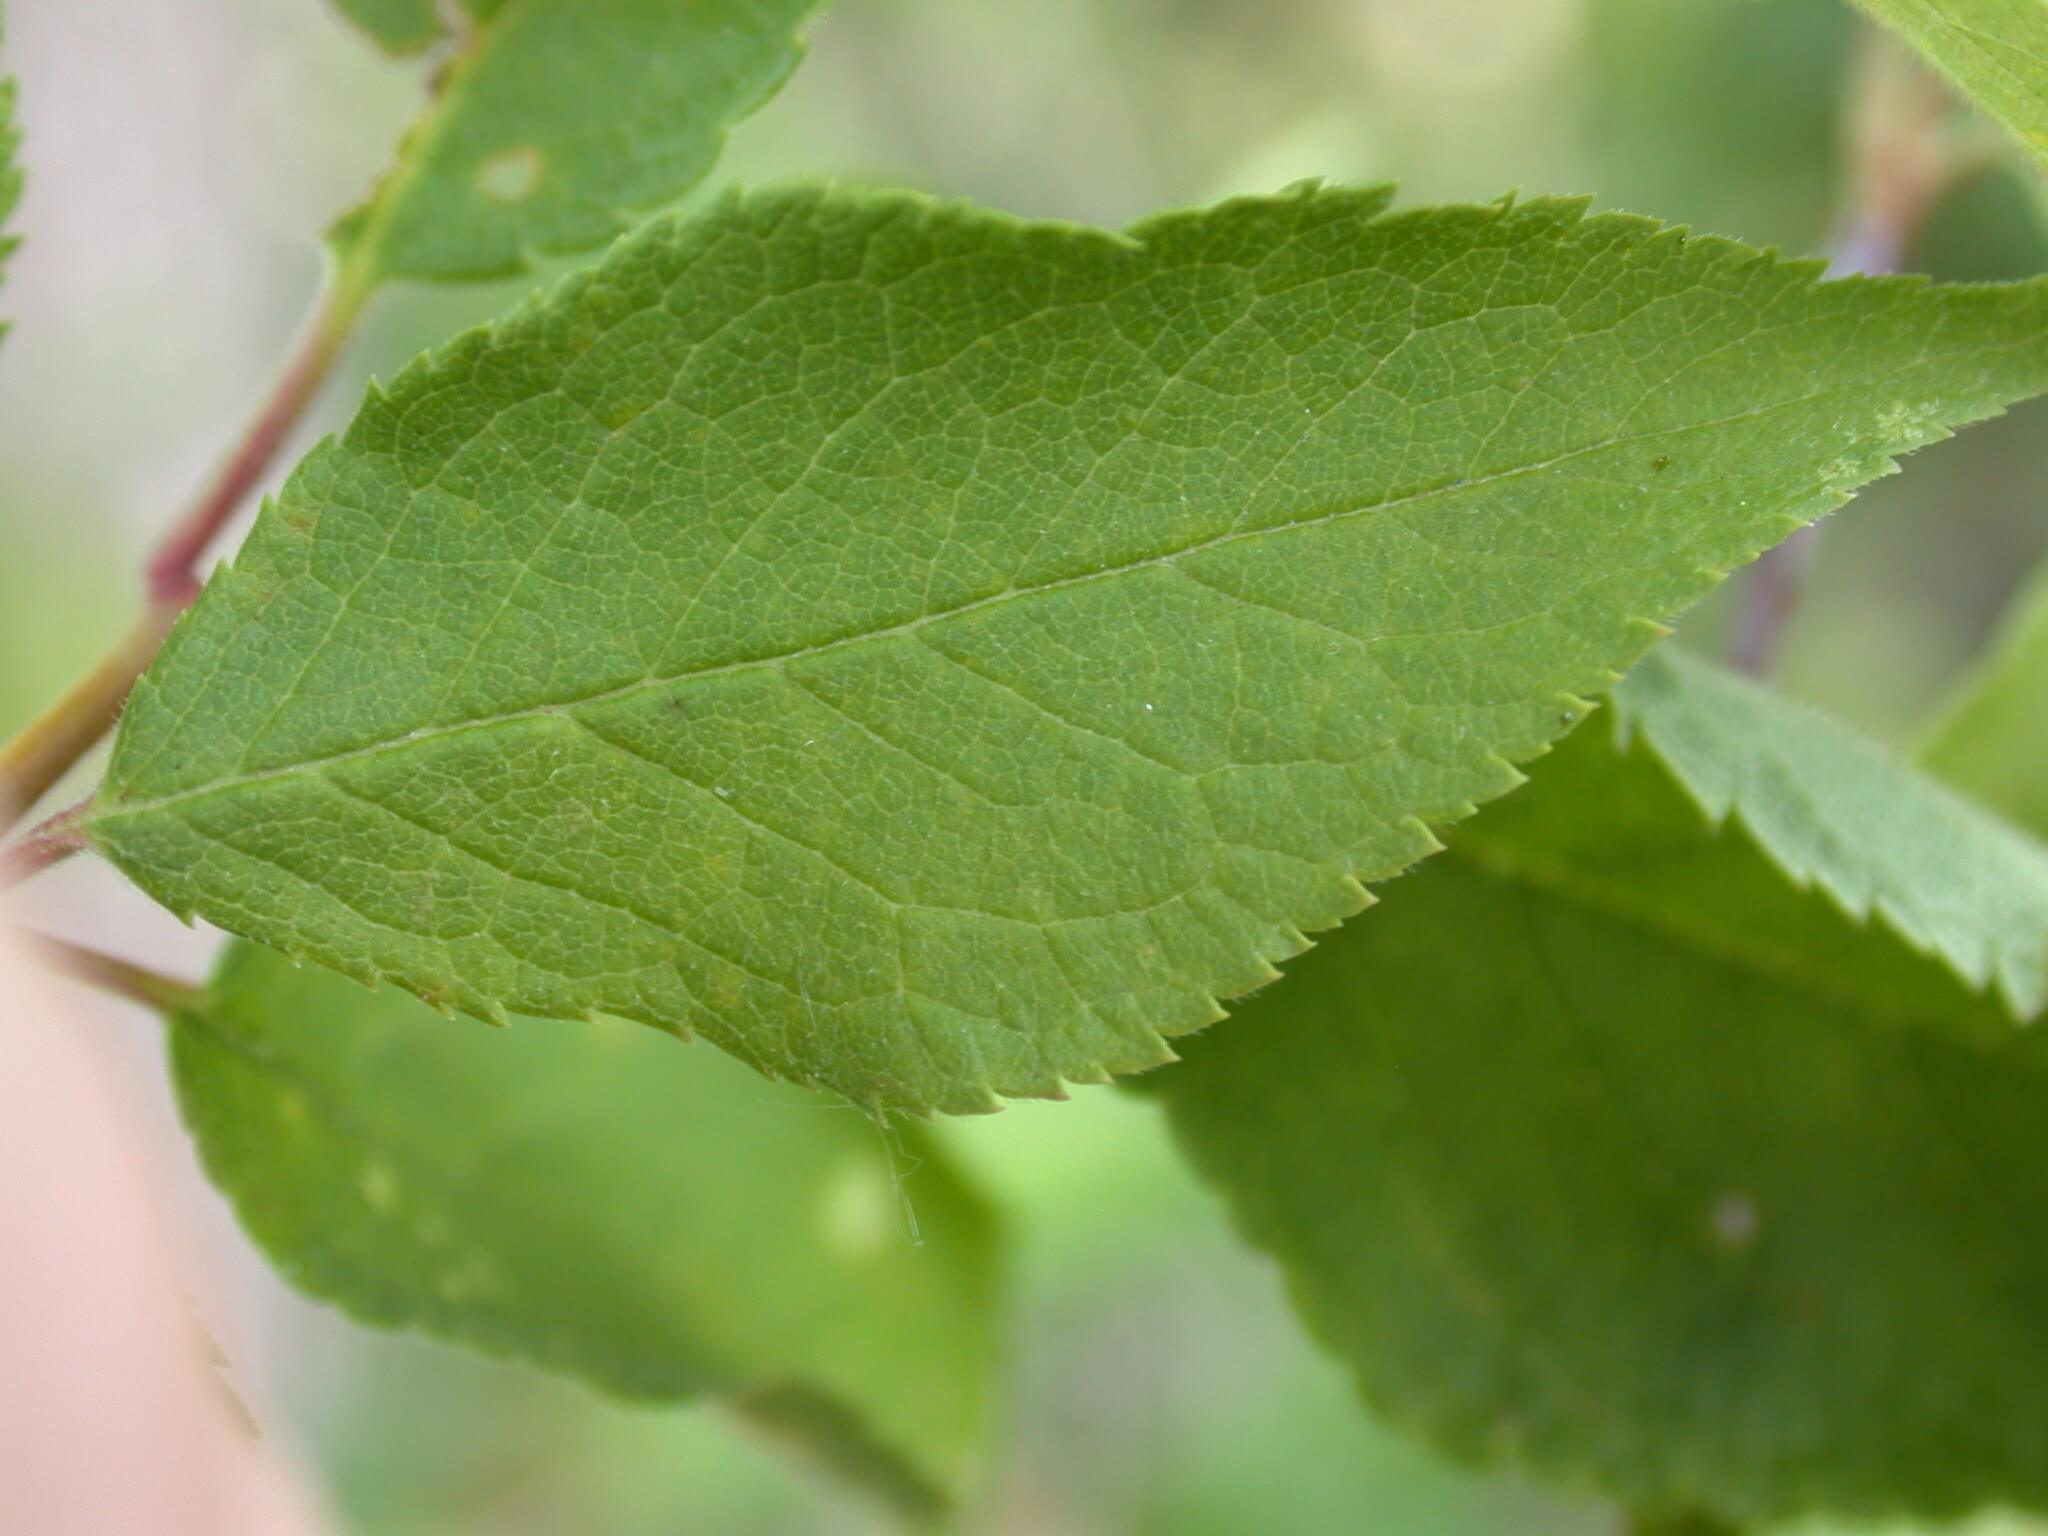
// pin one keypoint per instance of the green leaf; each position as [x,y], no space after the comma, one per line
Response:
[1996,52]
[1991,741]
[601,1201]
[396,26]
[556,124]
[936,656]
[1605,1147]
[1835,811]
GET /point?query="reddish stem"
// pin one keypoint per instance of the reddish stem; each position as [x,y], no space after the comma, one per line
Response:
[49,842]
[52,743]
[153,990]
[45,750]
[173,571]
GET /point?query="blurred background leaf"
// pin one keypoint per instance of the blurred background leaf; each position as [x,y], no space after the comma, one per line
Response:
[1642,1136]
[1996,52]
[658,1222]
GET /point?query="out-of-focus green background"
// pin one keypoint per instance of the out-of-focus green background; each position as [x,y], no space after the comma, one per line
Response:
[184,155]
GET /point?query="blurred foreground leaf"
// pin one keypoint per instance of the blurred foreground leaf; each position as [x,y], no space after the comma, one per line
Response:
[602,1201]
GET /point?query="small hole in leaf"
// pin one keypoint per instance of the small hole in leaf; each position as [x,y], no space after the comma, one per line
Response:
[511,175]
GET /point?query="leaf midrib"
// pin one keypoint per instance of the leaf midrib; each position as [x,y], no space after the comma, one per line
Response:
[110,808]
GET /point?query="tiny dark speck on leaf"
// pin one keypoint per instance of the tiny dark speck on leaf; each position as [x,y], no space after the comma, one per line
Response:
[1659,464]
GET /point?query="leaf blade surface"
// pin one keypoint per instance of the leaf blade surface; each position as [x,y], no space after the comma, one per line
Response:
[1834,811]
[937,656]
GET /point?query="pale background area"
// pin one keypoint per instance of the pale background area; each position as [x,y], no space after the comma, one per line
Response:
[183,157]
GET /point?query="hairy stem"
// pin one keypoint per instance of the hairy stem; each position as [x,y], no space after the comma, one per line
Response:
[45,750]
[48,747]
[134,983]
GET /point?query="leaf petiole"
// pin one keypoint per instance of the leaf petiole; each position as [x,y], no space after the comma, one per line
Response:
[49,842]
[49,745]
[120,978]
[52,743]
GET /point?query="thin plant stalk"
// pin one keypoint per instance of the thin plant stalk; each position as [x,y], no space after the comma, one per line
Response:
[51,745]
[119,978]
